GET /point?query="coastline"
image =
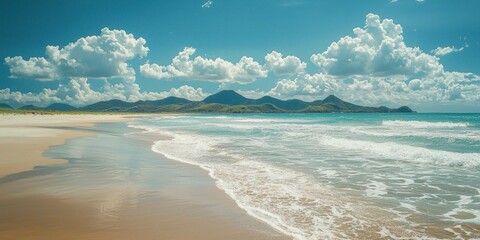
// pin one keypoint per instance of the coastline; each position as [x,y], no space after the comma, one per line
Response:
[24,138]
[179,211]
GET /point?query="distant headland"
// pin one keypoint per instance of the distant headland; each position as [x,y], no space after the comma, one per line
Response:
[226,101]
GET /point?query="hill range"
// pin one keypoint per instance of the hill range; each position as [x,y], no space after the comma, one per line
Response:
[226,101]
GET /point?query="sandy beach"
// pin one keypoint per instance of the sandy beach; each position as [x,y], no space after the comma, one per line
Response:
[37,207]
[24,138]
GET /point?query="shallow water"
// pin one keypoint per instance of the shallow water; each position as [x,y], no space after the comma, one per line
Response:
[317,176]
[115,187]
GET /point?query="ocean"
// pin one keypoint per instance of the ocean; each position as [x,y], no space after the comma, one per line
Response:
[337,176]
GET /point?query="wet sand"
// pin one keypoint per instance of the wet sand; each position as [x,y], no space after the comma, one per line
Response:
[24,138]
[159,217]
[36,205]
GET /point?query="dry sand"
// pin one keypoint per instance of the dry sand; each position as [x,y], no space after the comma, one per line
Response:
[177,213]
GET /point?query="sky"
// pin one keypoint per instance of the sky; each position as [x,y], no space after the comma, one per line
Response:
[420,53]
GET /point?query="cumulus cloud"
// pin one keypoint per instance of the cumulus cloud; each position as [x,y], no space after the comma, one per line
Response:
[207,4]
[34,68]
[204,69]
[102,56]
[276,63]
[392,90]
[306,85]
[441,51]
[184,91]
[78,92]
[376,49]
[376,67]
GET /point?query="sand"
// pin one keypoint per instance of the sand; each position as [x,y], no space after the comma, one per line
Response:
[24,138]
[195,211]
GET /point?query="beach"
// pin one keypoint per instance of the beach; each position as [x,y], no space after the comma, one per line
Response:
[337,176]
[24,138]
[240,176]
[48,191]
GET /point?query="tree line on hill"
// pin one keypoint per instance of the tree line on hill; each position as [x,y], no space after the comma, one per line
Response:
[226,101]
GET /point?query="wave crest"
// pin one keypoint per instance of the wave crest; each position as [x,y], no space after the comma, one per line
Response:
[423,124]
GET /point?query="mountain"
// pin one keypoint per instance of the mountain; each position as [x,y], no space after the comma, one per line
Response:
[4,105]
[227,97]
[169,104]
[165,101]
[30,107]
[60,107]
[227,101]
[113,105]
[292,104]
[222,108]
[335,104]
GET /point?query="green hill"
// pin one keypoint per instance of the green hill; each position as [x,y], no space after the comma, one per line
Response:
[227,97]
[292,104]
[60,107]
[30,107]
[4,105]
[226,101]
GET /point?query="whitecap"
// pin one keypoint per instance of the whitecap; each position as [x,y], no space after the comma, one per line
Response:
[423,124]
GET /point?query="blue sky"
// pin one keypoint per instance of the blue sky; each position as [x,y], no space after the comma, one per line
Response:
[406,52]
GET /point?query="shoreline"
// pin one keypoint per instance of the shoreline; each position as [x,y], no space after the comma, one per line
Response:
[179,211]
[37,133]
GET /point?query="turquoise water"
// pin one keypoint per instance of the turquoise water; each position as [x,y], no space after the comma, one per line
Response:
[317,176]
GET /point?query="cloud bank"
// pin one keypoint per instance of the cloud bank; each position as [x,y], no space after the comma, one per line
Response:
[372,66]
[245,71]
[78,92]
[215,70]
[375,66]
[102,56]
[376,49]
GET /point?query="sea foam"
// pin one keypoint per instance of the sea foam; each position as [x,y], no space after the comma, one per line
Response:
[404,152]
[423,124]
[288,200]
[315,179]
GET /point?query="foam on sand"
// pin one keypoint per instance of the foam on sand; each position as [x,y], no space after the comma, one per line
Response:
[290,201]
[314,179]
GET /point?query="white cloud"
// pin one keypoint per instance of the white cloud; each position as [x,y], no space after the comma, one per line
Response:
[102,56]
[306,86]
[377,49]
[373,67]
[276,63]
[184,91]
[34,68]
[377,68]
[78,92]
[392,90]
[253,94]
[214,70]
[441,51]
[207,4]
